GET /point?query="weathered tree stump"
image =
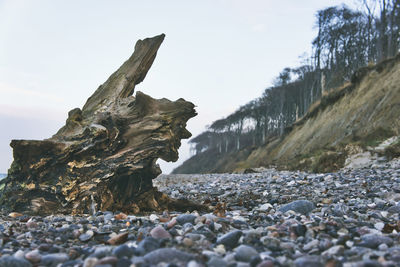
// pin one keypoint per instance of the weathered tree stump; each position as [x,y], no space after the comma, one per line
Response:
[104,158]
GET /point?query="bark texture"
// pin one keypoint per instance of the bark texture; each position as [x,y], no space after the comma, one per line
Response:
[104,158]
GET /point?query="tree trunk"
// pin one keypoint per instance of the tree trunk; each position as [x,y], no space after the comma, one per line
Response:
[105,156]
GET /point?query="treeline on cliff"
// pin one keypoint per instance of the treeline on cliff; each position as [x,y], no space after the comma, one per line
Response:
[346,41]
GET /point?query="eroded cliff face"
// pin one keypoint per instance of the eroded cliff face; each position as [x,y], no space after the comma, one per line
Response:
[360,114]
[350,119]
[104,158]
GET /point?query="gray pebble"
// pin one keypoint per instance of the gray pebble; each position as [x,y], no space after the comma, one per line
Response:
[10,261]
[230,239]
[186,218]
[300,206]
[374,240]
[308,261]
[168,255]
[216,262]
[54,259]
[245,253]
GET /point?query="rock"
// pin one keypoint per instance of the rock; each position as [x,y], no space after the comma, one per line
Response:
[216,262]
[19,254]
[90,262]
[335,250]
[123,251]
[102,251]
[245,253]
[266,263]
[159,232]
[147,245]
[300,229]
[171,223]
[71,263]
[15,214]
[153,218]
[310,245]
[186,218]
[265,207]
[121,216]
[374,240]
[394,209]
[300,206]
[54,259]
[108,216]
[118,239]
[110,260]
[194,263]
[31,224]
[33,256]
[108,150]
[10,261]
[308,261]
[168,255]
[187,242]
[124,263]
[230,239]
[339,209]
[383,247]
[368,263]
[86,236]
[271,243]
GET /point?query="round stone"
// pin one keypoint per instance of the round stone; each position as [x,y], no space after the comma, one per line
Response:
[86,236]
[299,206]
[10,261]
[33,256]
[123,251]
[245,253]
[230,239]
[186,218]
[159,232]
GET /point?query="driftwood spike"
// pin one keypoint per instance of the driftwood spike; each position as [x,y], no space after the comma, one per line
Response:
[105,156]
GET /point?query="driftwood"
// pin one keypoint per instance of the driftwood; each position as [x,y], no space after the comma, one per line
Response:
[104,158]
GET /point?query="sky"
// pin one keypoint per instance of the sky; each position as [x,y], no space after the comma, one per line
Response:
[218,54]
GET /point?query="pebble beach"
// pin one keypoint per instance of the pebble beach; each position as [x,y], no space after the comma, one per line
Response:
[266,218]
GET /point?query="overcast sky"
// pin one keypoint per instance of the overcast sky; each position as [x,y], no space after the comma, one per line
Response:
[218,54]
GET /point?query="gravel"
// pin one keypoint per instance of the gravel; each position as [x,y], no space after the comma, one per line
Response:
[270,218]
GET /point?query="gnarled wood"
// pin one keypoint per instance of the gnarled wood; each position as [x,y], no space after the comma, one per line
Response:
[104,158]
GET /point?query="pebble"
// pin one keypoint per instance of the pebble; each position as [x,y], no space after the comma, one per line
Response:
[230,239]
[186,218]
[15,214]
[90,262]
[245,253]
[374,240]
[10,261]
[147,245]
[335,250]
[159,232]
[168,255]
[118,239]
[268,219]
[86,236]
[123,251]
[216,262]
[33,256]
[54,259]
[110,260]
[266,263]
[308,261]
[153,218]
[300,206]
